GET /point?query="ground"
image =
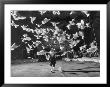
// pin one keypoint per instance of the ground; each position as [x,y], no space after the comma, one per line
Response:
[70,69]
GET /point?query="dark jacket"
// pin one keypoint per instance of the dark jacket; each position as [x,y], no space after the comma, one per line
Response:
[52,58]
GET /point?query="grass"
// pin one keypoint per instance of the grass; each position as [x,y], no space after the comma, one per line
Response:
[42,69]
[23,61]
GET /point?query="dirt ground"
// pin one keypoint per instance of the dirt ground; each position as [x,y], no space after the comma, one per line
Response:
[70,69]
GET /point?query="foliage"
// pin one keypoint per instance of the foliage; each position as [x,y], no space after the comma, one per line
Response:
[60,30]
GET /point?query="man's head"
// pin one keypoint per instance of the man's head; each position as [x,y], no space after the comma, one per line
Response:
[52,52]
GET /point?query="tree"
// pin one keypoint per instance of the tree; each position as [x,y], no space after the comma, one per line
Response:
[50,29]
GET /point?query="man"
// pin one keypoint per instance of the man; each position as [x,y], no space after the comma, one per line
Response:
[52,60]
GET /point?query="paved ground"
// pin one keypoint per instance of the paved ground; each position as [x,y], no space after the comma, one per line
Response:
[42,69]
